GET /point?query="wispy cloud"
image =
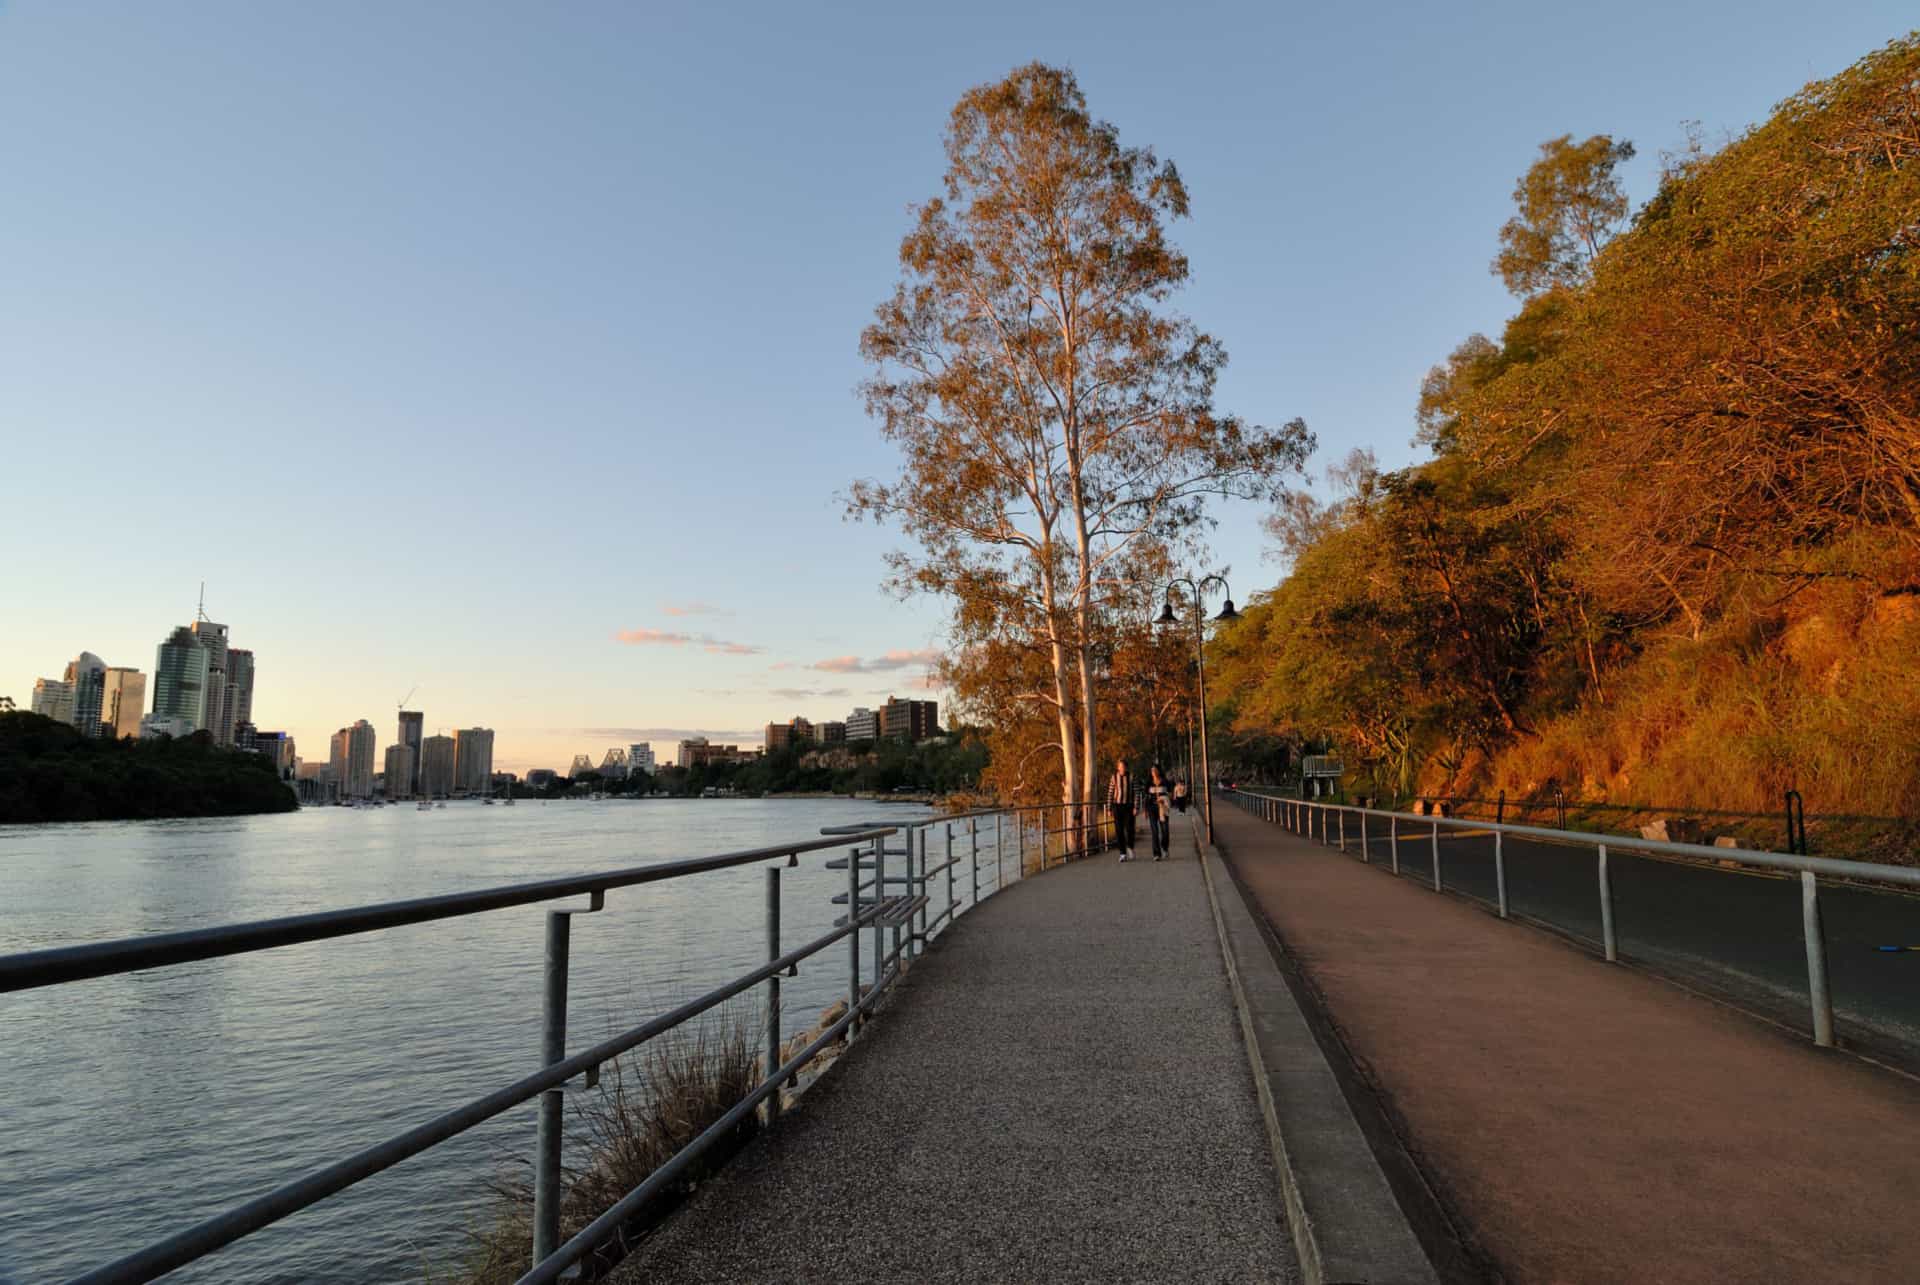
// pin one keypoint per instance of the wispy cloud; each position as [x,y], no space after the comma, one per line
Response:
[809,693]
[886,664]
[779,665]
[673,638]
[722,734]
[693,609]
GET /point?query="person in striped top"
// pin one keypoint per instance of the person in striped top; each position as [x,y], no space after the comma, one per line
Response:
[1120,804]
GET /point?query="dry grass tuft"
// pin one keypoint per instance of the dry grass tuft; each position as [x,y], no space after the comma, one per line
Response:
[647,1107]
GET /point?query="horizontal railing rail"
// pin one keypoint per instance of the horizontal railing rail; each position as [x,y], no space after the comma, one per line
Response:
[1301,816]
[103,959]
[880,898]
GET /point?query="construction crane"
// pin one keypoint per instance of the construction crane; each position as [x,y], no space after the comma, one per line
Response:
[409,696]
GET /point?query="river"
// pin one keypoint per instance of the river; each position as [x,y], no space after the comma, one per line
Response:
[132,1106]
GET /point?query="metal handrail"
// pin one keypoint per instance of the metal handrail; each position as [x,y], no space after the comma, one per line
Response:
[36,968]
[1833,867]
[222,1230]
[868,850]
[33,969]
[1298,815]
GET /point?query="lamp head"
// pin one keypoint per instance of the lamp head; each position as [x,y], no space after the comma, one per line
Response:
[1166,616]
[1227,612]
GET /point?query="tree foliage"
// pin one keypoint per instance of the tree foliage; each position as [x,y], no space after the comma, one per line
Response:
[1699,436]
[49,772]
[1054,416]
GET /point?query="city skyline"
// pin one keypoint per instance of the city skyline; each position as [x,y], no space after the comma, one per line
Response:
[637,428]
[210,683]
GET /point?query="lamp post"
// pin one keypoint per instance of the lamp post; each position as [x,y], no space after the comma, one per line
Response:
[1169,617]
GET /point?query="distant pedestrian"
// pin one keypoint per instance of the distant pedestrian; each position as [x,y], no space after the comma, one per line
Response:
[1159,805]
[1180,795]
[1120,805]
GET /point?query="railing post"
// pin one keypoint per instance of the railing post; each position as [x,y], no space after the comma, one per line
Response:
[1343,829]
[953,907]
[553,1048]
[879,899]
[920,890]
[853,933]
[999,855]
[773,988]
[1393,841]
[1606,909]
[1436,856]
[1366,852]
[1500,872]
[1817,993]
[973,853]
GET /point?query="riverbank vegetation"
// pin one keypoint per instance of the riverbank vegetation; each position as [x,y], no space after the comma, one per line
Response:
[1667,547]
[49,772]
[647,1107]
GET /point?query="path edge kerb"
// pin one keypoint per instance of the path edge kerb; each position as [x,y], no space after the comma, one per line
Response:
[1347,1227]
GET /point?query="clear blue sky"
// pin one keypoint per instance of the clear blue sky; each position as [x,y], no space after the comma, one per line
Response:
[446,341]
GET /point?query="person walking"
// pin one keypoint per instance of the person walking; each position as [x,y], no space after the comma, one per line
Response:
[1159,807]
[1120,805]
[1180,795]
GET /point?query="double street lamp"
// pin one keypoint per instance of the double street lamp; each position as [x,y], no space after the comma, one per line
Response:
[1170,617]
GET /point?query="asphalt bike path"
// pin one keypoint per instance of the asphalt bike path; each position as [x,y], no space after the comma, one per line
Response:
[1584,1121]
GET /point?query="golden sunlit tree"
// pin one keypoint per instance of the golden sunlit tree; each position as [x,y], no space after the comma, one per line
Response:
[1053,414]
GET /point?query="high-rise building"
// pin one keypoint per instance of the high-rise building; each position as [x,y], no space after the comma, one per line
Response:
[180,679]
[218,718]
[472,759]
[399,771]
[277,749]
[640,758]
[239,689]
[54,698]
[361,740]
[122,702]
[435,779]
[796,731]
[410,728]
[863,725]
[833,733]
[87,674]
[909,720]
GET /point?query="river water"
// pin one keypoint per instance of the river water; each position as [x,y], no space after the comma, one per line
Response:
[132,1106]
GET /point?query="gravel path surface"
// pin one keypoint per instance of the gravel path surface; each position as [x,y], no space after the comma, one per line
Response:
[1056,1092]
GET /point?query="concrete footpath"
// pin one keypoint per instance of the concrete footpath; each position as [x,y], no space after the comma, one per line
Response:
[1057,1091]
[1582,1121]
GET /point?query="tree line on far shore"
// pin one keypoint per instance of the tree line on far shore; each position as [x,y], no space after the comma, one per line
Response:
[950,764]
[50,772]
